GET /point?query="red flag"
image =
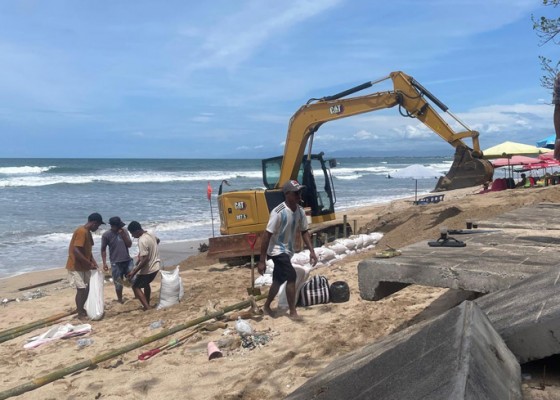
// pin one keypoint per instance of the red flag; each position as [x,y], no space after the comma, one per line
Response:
[209,191]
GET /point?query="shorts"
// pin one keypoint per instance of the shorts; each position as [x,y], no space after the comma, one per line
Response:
[556,93]
[79,279]
[283,269]
[142,281]
[120,270]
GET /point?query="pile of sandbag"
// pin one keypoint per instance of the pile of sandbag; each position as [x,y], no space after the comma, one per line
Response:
[327,255]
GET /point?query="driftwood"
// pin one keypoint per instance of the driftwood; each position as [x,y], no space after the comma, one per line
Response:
[253,312]
[40,284]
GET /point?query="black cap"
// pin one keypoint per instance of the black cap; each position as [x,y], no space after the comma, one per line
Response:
[134,226]
[116,221]
[95,217]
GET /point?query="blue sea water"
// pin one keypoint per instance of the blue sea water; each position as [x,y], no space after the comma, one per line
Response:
[42,201]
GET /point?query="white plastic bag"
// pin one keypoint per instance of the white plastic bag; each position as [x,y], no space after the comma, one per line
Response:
[171,291]
[302,273]
[94,302]
[243,327]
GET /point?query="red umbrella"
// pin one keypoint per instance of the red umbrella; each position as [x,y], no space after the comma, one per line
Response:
[546,156]
[514,160]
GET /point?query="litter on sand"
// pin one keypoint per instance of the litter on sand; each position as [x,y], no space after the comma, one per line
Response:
[57,332]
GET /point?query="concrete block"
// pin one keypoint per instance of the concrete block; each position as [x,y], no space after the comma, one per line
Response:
[527,316]
[457,355]
[493,259]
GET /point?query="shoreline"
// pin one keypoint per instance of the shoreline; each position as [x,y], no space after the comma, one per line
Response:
[181,252]
[171,254]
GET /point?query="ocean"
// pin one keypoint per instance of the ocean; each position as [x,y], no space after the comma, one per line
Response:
[42,201]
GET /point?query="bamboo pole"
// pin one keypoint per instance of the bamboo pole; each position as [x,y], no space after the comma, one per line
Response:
[53,376]
[12,333]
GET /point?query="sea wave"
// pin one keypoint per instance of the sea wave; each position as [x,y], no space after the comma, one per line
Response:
[24,170]
[151,177]
[349,177]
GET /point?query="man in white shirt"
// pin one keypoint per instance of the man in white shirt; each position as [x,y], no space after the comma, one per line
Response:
[277,243]
[147,265]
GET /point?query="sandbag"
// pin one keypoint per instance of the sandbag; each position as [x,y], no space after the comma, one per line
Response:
[302,272]
[314,291]
[171,290]
[300,258]
[325,254]
[338,248]
[94,303]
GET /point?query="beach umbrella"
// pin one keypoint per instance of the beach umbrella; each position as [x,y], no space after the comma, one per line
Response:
[508,149]
[514,160]
[416,171]
[546,156]
[547,142]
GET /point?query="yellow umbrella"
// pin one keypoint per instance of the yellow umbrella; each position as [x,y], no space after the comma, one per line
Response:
[509,149]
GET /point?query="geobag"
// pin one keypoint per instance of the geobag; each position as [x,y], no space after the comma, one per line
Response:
[171,290]
[314,291]
[94,302]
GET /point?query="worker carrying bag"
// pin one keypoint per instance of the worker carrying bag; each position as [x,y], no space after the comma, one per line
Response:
[314,291]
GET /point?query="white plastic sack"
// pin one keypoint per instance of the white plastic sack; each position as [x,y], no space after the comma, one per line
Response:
[349,243]
[375,237]
[94,302]
[325,254]
[338,248]
[171,291]
[269,267]
[302,273]
[359,240]
[301,258]
[243,327]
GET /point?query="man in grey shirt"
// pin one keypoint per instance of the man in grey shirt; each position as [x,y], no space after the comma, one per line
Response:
[118,240]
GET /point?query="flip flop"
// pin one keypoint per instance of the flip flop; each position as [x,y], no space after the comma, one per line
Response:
[449,242]
[469,231]
[387,253]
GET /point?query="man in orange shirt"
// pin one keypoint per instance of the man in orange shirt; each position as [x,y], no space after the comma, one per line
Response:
[81,262]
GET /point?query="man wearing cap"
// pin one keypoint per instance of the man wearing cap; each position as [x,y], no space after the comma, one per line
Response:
[118,240]
[277,243]
[80,260]
[147,265]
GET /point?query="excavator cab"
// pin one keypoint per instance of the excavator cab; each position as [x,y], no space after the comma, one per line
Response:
[318,197]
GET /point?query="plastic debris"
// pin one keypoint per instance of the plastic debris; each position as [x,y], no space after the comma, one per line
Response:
[243,327]
[84,342]
[252,341]
[32,295]
[156,324]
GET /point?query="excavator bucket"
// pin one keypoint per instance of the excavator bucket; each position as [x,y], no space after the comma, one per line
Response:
[466,171]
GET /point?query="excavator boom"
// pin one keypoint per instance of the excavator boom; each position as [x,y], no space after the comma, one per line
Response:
[468,169]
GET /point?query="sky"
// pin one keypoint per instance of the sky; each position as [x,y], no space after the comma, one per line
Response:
[221,79]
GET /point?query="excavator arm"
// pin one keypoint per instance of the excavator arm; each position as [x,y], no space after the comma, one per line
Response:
[468,168]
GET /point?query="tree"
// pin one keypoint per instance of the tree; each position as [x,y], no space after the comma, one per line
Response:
[548,30]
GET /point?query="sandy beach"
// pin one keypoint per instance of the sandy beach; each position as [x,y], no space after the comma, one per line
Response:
[290,352]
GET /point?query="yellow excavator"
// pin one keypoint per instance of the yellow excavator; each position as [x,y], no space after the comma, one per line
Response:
[247,211]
